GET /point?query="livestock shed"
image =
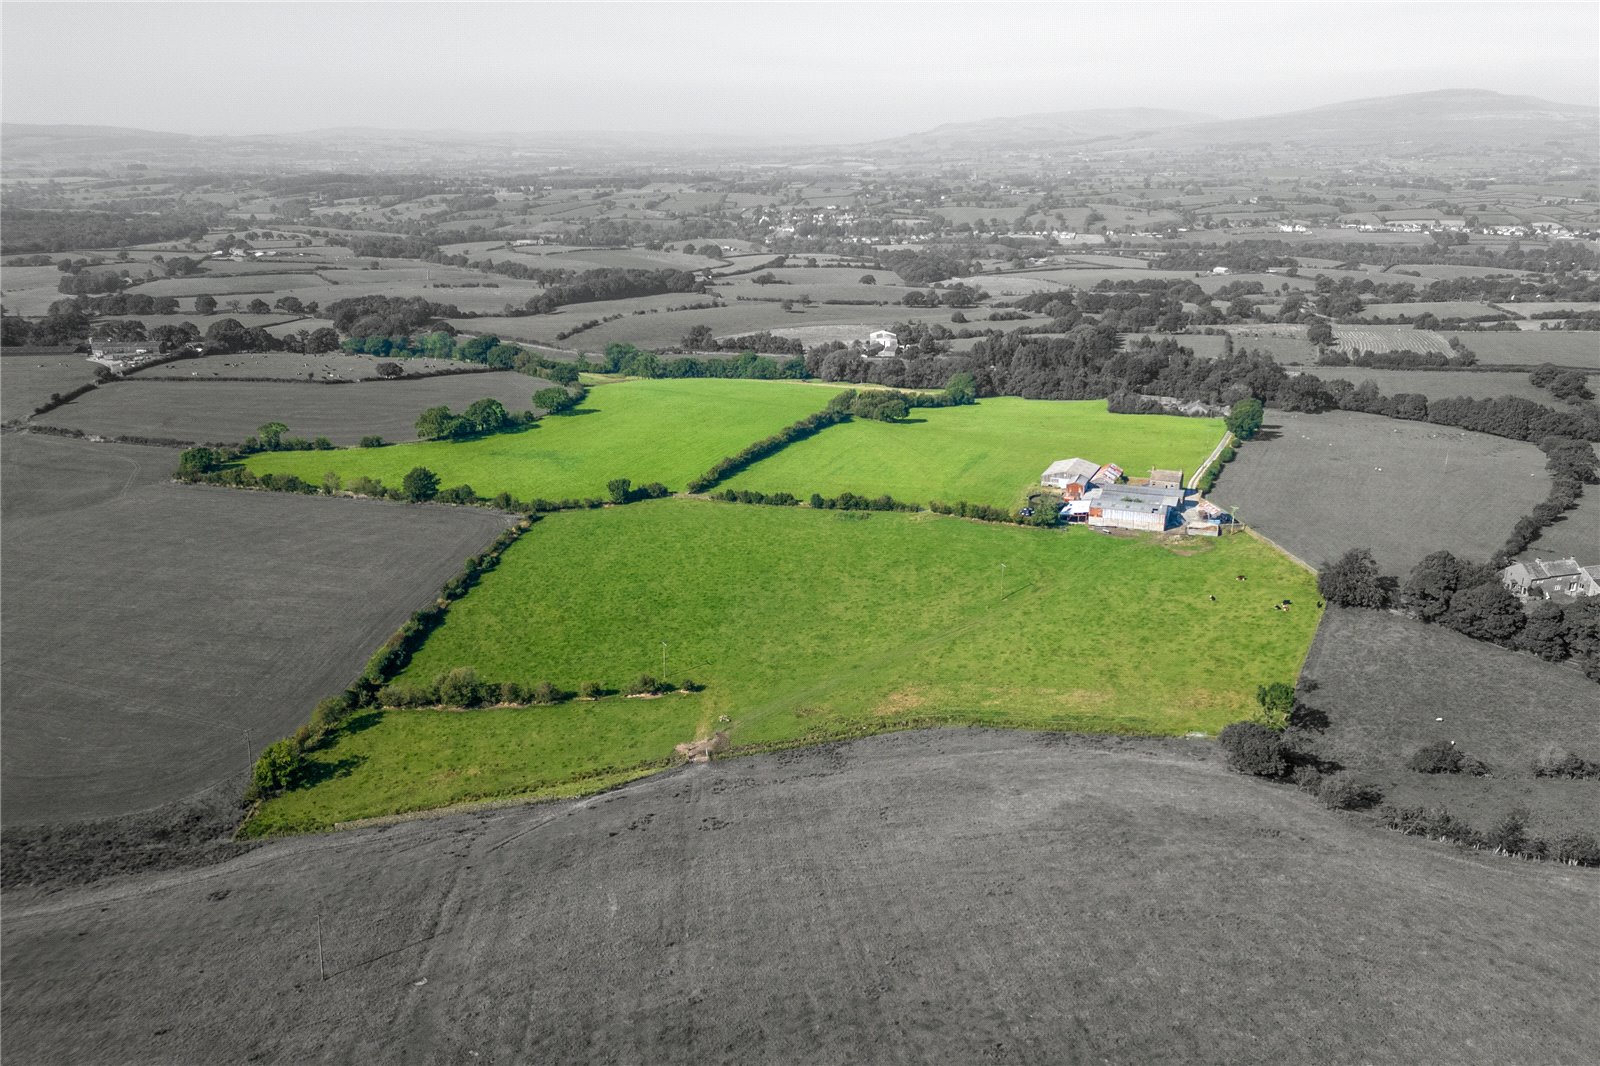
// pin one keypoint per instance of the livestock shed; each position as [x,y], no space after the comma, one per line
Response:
[1133,506]
[1071,476]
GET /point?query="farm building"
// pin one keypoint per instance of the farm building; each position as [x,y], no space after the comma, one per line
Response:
[1166,479]
[1071,476]
[1556,577]
[889,342]
[1133,506]
[1109,474]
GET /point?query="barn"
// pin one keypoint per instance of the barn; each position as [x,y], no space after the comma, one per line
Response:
[1071,476]
[1133,506]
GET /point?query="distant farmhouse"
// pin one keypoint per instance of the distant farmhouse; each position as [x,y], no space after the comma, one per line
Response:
[1542,579]
[1091,494]
[887,342]
[120,357]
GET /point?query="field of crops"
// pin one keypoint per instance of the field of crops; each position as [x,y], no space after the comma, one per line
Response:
[991,452]
[663,430]
[1322,484]
[1389,339]
[802,622]
[223,411]
[157,636]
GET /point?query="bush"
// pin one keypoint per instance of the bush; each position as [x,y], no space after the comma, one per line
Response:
[1510,834]
[1276,701]
[545,693]
[373,441]
[1307,779]
[646,685]
[278,769]
[513,692]
[460,688]
[1441,757]
[1579,849]
[1342,792]
[1556,761]
[1254,749]
[420,484]
[590,690]
[1352,581]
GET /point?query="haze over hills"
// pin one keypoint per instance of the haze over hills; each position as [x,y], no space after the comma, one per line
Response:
[1415,125]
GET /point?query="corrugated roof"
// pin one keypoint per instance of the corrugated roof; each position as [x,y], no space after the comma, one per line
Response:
[1071,468]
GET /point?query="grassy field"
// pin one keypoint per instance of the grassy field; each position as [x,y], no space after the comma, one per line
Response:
[1322,484]
[1388,685]
[808,623]
[663,430]
[987,453]
[148,625]
[1532,347]
[26,381]
[1442,384]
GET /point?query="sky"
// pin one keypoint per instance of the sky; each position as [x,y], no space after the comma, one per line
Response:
[777,71]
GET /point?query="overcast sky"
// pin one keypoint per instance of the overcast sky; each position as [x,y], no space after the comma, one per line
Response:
[780,70]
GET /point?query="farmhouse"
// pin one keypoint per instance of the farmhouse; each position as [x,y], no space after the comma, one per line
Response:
[884,339]
[1543,579]
[1072,476]
[1132,506]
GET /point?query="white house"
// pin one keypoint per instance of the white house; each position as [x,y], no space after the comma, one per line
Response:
[1543,578]
[889,342]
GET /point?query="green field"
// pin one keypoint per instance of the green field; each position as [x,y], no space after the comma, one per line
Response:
[661,430]
[810,624]
[987,453]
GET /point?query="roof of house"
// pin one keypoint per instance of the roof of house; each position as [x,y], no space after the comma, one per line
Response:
[1071,468]
[1539,569]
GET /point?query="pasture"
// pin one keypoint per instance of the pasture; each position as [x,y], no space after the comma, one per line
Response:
[1388,685]
[290,366]
[811,624]
[26,381]
[990,452]
[1442,384]
[157,636]
[1531,347]
[1320,485]
[661,430]
[223,411]
[951,895]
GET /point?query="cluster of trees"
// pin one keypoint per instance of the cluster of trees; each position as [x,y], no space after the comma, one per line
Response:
[880,405]
[638,362]
[928,265]
[612,284]
[385,316]
[560,399]
[621,490]
[1570,385]
[1469,598]
[702,339]
[481,417]
[1404,359]
[50,230]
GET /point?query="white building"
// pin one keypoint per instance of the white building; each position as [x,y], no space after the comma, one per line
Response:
[889,342]
[1133,506]
[1069,474]
[1543,578]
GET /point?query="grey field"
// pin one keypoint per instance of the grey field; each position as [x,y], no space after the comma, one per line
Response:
[157,636]
[947,896]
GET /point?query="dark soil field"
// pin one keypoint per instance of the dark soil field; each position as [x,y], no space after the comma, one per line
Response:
[947,896]
[1321,484]
[290,366]
[229,411]
[26,381]
[148,625]
[1386,681]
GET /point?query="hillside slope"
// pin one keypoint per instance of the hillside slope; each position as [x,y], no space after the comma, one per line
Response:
[947,896]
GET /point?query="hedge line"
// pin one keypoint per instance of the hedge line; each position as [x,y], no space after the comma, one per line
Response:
[761,449]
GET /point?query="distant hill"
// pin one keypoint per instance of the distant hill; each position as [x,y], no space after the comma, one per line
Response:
[1049,129]
[1411,125]
[1442,120]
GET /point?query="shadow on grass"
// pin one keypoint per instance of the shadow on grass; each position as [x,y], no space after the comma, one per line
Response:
[317,771]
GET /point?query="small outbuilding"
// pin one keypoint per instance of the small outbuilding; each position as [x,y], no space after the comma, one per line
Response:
[1166,479]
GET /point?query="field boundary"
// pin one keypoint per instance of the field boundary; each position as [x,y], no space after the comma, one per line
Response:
[1199,472]
[1269,542]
